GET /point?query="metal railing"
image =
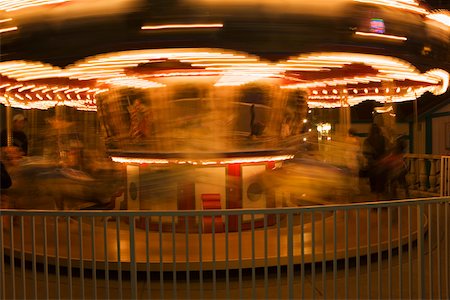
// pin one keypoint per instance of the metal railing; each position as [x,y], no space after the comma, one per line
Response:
[424,173]
[394,249]
[445,176]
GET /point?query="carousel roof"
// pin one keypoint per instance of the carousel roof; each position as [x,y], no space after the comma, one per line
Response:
[66,52]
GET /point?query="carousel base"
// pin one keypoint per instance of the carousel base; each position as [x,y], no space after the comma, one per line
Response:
[193,251]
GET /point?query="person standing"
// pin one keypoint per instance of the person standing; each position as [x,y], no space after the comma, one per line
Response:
[19,138]
[374,150]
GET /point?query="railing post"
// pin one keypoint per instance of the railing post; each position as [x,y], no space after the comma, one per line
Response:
[445,176]
[420,254]
[433,177]
[422,174]
[290,250]
[411,176]
[133,270]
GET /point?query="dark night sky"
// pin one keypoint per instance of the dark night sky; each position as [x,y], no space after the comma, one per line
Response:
[439,3]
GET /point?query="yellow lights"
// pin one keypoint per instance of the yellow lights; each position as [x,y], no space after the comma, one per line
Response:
[134,82]
[324,131]
[12,5]
[182,26]
[224,68]
[8,29]
[441,76]
[408,5]
[219,161]
[441,16]
[381,36]
[5,20]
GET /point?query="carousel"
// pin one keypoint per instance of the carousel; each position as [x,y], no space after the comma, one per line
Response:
[204,104]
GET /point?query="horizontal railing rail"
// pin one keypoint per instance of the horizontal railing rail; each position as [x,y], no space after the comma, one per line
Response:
[390,249]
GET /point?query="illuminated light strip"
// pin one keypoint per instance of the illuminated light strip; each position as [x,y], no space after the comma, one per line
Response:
[180,74]
[383,36]
[182,26]
[5,20]
[39,88]
[139,160]
[12,5]
[131,160]
[14,87]
[133,82]
[26,88]
[4,85]
[406,5]
[443,18]
[28,96]
[8,29]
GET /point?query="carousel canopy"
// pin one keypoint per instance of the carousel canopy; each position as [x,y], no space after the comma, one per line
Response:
[67,52]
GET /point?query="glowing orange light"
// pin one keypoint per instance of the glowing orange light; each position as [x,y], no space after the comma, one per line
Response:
[181,26]
[12,5]
[8,29]
[383,36]
[409,5]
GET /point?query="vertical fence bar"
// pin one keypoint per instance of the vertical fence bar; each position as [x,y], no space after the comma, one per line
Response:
[2,262]
[430,252]
[278,257]
[44,227]
[213,240]
[161,260]
[22,259]
[389,230]
[290,245]
[11,258]
[133,267]
[147,258]
[227,264]
[57,269]
[302,248]
[188,272]
[334,255]
[106,256]
[420,254]
[313,254]
[369,257]
[119,257]
[94,262]
[357,253]
[174,260]
[200,255]
[33,258]
[379,251]
[80,240]
[447,250]
[324,257]
[438,234]
[410,281]
[346,253]
[266,254]
[400,253]
[253,257]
